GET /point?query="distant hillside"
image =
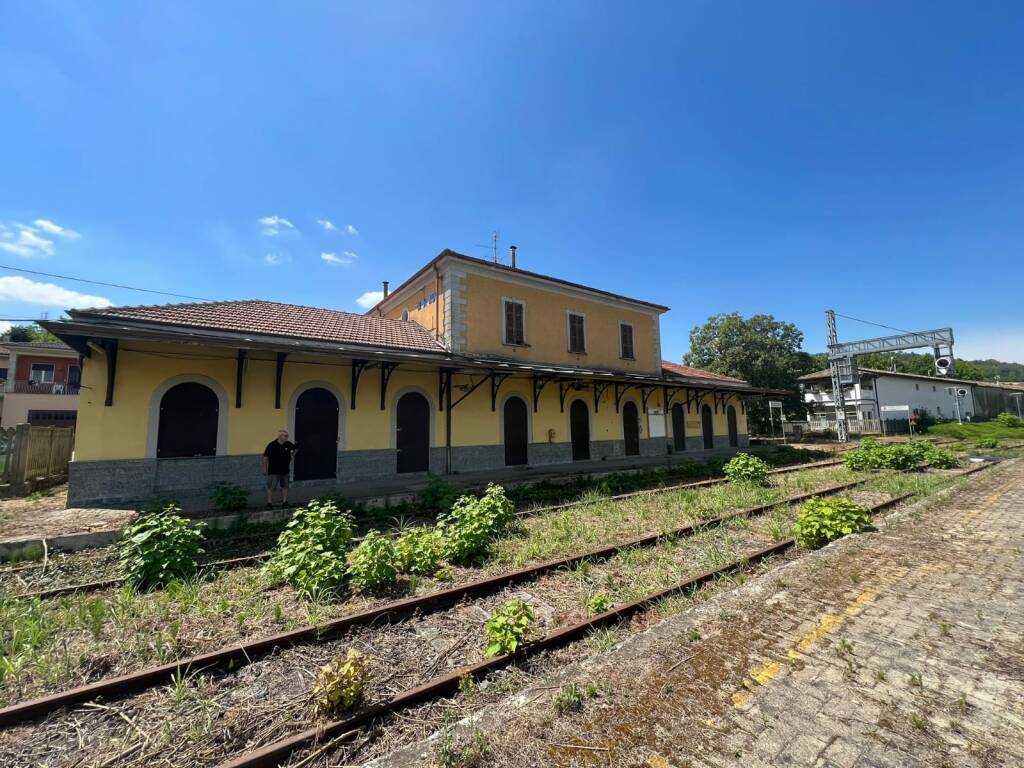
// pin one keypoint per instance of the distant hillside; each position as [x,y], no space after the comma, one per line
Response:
[922,363]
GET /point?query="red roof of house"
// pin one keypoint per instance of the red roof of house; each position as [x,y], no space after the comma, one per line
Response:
[271,318]
[695,373]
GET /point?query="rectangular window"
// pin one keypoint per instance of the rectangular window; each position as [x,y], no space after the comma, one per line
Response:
[42,373]
[3,374]
[626,341]
[515,322]
[577,334]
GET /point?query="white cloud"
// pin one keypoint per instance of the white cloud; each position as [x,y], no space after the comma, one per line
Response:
[346,258]
[273,259]
[56,229]
[49,295]
[326,224]
[370,299]
[23,240]
[350,229]
[275,225]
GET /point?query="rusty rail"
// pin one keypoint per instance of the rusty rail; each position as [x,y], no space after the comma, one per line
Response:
[272,755]
[239,562]
[243,654]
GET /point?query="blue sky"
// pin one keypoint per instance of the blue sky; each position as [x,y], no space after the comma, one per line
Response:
[714,157]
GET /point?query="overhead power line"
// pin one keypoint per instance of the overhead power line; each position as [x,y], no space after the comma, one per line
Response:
[108,285]
[870,322]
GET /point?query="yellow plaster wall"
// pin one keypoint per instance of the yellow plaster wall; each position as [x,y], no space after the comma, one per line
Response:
[547,327]
[431,316]
[120,431]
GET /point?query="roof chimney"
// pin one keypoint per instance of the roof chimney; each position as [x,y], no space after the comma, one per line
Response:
[385,289]
[512,255]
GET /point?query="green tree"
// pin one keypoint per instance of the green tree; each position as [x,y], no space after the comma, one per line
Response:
[28,333]
[758,349]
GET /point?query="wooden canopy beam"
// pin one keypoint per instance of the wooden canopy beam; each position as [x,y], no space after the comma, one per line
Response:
[278,373]
[386,369]
[239,372]
[110,352]
[497,379]
[600,387]
[358,366]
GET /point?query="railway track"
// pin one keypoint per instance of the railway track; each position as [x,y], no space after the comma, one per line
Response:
[236,656]
[241,562]
[447,684]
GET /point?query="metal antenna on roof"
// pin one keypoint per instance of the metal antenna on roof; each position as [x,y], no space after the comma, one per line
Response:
[493,246]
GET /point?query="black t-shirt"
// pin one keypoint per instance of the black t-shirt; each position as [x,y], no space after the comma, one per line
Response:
[279,457]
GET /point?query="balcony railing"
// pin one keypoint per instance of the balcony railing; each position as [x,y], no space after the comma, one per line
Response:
[39,388]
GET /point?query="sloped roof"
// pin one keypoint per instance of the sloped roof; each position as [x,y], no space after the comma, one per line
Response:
[448,253]
[827,374]
[696,373]
[275,319]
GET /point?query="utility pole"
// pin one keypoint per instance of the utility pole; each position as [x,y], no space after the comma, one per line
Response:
[837,384]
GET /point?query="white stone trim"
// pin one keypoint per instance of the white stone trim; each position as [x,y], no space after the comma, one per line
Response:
[153,424]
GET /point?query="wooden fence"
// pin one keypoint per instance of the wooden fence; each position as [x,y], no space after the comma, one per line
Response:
[34,456]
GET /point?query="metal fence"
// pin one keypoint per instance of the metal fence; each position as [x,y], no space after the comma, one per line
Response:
[34,456]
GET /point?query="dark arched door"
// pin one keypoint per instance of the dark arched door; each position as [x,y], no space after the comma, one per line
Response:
[678,428]
[188,422]
[516,432]
[631,429]
[707,426]
[734,436]
[412,437]
[579,428]
[316,434]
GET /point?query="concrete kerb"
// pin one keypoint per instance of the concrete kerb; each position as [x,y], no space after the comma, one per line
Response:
[492,716]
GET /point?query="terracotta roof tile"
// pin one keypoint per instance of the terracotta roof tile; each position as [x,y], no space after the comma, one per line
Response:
[695,373]
[274,319]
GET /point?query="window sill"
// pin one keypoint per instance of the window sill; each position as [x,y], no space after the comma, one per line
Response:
[578,352]
[629,359]
[513,344]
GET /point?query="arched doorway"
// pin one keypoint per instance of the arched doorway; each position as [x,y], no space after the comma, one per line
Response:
[316,434]
[516,426]
[631,429]
[734,436]
[412,432]
[189,413]
[678,428]
[579,430]
[707,426]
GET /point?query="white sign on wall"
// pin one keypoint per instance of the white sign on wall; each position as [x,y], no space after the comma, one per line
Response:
[656,422]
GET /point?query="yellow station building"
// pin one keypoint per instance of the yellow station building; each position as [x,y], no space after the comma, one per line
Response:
[468,365]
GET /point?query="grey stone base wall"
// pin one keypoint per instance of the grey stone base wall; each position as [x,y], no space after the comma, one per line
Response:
[125,482]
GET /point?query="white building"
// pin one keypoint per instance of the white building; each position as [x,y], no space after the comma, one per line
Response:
[875,389]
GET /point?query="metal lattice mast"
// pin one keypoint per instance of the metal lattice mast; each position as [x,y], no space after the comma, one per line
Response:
[837,384]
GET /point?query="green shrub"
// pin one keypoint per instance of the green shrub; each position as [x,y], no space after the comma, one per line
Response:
[157,504]
[159,547]
[310,552]
[939,458]
[438,495]
[599,603]
[339,685]
[419,551]
[986,442]
[507,627]
[1009,420]
[372,564]
[923,421]
[820,521]
[338,500]
[744,468]
[228,497]
[900,456]
[471,526]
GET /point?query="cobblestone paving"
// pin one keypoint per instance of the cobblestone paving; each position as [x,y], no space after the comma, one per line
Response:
[899,648]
